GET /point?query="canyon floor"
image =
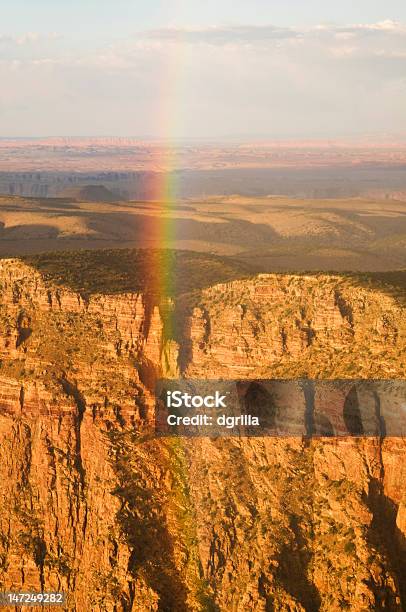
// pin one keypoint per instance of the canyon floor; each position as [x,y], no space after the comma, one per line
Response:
[92,503]
[264,234]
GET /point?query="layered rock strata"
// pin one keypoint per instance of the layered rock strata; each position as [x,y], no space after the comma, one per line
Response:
[93,504]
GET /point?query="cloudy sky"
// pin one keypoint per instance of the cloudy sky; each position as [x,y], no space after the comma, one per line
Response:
[203,68]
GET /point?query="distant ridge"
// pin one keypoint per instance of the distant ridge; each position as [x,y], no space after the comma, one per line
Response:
[91,193]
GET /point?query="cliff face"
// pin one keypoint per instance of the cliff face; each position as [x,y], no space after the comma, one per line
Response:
[278,325]
[92,504]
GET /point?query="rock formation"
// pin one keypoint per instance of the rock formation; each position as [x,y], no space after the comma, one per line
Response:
[92,503]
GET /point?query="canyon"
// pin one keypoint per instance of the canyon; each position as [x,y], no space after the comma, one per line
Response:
[134,169]
[93,503]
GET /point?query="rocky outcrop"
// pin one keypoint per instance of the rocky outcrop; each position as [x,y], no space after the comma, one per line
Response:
[93,503]
[278,325]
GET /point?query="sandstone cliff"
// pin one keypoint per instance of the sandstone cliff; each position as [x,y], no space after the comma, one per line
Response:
[91,503]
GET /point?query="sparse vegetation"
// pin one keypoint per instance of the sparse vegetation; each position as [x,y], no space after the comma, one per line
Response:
[160,271]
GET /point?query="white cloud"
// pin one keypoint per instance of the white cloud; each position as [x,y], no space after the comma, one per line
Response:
[218,35]
[316,81]
[27,38]
[221,35]
[383,26]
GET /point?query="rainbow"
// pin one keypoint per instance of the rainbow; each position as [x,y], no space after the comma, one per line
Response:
[165,189]
[165,194]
